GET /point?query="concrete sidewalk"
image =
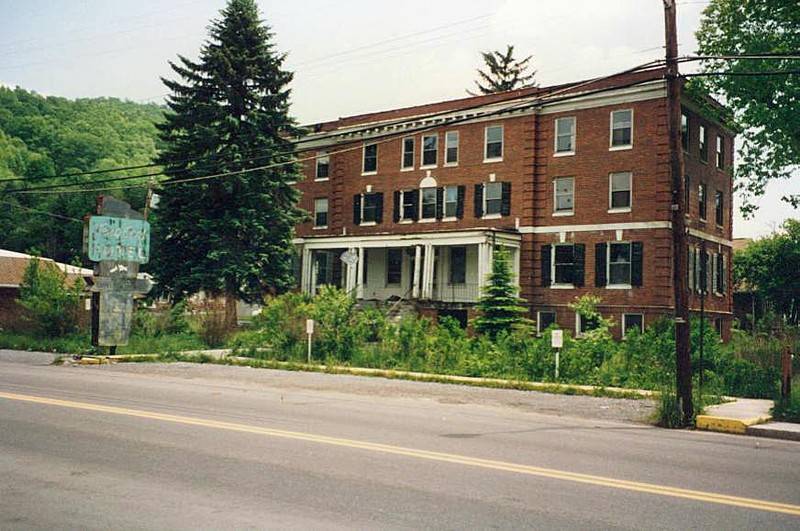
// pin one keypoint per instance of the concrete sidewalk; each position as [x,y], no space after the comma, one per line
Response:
[748,417]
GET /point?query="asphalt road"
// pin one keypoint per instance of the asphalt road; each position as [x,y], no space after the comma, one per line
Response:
[169,448]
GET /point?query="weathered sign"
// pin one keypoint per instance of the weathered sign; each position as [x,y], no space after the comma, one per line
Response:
[118,239]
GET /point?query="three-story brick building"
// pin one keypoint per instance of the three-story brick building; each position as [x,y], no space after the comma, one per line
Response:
[573,180]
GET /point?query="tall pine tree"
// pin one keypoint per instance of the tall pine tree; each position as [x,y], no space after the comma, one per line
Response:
[229,231]
[503,72]
[501,309]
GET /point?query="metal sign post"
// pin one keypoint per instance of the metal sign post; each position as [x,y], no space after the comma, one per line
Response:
[557,342]
[310,332]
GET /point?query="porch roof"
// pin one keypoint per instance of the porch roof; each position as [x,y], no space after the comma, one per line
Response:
[465,237]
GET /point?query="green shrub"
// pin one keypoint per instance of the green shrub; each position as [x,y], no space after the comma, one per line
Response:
[52,302]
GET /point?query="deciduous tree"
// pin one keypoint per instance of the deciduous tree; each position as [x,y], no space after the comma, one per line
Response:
[766,103]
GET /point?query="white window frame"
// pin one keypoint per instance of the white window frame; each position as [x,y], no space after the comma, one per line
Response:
[611,146]
[719,207]
[317,202]
[573,136]
[422,204]
[556,195]
[624,285]
[445,202]
[702,142]
[539,329]
[423,151]
[625,324]
[404,196]
[685,131]
[486,157]
[322,156]
[611,208]
[364,159]
[363,206]
[486,187]
[554,283]
[403,153]
[719,155]
[449,138]
[702,198]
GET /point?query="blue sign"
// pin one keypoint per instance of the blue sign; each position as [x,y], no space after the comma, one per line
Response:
[119,239]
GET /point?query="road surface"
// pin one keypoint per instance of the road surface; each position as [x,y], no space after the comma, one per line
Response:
[150,447]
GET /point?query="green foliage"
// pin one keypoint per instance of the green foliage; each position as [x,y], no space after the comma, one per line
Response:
[52,301]
[232,234]
[45,139]
[503,72]
[765,105]
[501,309]
[769,266]
[788,410]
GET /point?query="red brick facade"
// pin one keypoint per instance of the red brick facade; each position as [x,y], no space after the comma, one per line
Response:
[600,183]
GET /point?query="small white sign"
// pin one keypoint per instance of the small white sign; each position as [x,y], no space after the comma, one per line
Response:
[309,326]
[557,339]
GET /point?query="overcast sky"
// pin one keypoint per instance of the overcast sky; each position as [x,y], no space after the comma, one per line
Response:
[349,56]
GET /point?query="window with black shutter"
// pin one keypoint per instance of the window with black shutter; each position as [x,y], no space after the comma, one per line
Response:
[637,263]
[600,278]
[545,263]
[478,200]
[505,207]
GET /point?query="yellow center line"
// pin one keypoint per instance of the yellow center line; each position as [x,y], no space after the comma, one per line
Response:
[651,488]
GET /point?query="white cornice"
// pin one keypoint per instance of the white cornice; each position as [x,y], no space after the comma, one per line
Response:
[466,237]
[555,229]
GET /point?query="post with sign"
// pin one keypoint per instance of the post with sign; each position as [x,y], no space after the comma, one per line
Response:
[118,241]
[557,342]
[310,332]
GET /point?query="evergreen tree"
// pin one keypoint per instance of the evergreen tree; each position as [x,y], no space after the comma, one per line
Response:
[499,305]
[503,72]
[230,234]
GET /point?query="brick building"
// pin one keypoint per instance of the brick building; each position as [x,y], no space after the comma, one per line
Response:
[573,180]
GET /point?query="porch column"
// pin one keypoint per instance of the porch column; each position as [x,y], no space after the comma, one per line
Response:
[352,272]
[483,263]
[360,274]
[314,274]
[417,266]
[516,262]
[427,272]
[305,272]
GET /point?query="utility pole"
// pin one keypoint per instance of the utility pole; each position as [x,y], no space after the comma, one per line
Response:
[683,360]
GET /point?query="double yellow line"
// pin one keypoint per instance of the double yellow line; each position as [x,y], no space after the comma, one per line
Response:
[650,488]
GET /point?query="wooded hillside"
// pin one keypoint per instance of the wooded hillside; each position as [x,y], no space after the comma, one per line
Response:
[47,146]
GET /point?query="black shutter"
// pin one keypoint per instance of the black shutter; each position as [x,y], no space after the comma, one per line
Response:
[397,207]
[579,267]
[505,203]
[478,200]
[414,204]
[547,279]
[462,191]
[439,202]
[379,207]
[356,209]
[637,263]
[600,265]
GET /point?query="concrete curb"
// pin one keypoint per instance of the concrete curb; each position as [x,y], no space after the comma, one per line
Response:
[776,430]
[729,425]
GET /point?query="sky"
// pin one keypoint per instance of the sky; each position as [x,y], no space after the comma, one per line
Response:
[349,56]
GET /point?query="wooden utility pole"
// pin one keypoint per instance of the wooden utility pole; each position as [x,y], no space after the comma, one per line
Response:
[683,359]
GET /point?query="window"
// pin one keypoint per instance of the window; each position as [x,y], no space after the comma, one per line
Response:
[563,265]
[494,142]
[687,181]
[430,146]
[622,128]
[324,265]
[721,270]
[394,266]
[720,152]
[451,201]
[703,139]
[408,153]
[321,212]
[719,208]
[564,201]
[718,324]
[619,264]
[428,203]
[405,205]
[451,148]
[701,200]
[565,135]
[370,158]
[368,208]
[458,265]
[544,320]
[632,321]
[620,191]
[585,324]
[492,198]
[685,132]
[323,165]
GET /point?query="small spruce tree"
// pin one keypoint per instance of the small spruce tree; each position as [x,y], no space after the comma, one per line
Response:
[501,309]
[503,72]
